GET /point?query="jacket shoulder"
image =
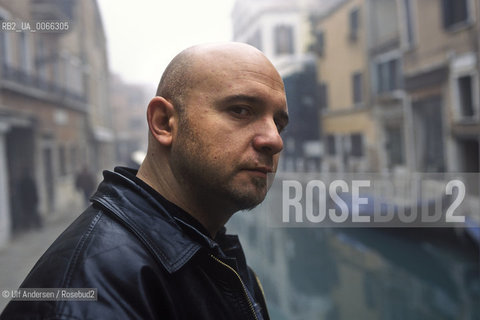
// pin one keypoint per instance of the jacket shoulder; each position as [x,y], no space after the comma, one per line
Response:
[90,237]
[96,252]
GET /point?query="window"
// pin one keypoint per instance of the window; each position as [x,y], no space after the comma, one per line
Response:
[323,95]
[73,159]
[428,130]
[354,23]
[394,146]
[62,157]
[284,40]
[357,88]
[319,46]
[409,26]
[454,12]
[356,144]
[24,51]
[331,147]
[388,76]
[465,87]
[465,96]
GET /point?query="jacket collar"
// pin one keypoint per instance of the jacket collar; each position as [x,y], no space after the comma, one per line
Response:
[172,241]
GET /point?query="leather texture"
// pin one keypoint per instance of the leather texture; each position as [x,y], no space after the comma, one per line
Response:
[145,263]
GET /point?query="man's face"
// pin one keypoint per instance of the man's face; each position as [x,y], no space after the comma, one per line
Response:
[228,139]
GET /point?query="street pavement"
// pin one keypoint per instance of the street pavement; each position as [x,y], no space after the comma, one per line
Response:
[23,251]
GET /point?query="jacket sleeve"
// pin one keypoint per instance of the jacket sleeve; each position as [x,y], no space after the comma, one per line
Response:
[128,282]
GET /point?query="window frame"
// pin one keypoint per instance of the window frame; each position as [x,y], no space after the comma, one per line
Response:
[331,145]
[474,83]
[463,66]
[456,25]
[386,59]
[354,23]
[357,152]
[319,45]
[357,89]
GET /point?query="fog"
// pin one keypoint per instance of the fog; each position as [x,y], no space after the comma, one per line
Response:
[377,90]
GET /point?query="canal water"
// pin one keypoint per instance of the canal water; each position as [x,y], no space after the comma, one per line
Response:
[363,273]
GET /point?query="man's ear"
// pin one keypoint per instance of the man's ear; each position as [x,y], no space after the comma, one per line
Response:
[161,120]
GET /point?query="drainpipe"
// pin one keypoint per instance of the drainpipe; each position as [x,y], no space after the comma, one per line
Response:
[410,156]
[5,223]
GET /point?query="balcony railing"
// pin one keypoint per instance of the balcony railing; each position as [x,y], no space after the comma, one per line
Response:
[30,81]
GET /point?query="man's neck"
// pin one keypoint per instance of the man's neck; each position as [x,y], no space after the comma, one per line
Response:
[162,180]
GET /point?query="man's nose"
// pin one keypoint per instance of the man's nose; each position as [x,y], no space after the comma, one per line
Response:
[268,139]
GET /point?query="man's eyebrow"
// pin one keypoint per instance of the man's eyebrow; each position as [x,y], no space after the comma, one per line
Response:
[241,98]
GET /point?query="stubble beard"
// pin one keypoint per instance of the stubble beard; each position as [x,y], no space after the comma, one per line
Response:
[208,181]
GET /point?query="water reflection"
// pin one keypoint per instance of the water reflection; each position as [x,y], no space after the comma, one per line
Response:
[318,273]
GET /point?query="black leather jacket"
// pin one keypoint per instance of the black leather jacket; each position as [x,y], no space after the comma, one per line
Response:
[145,261]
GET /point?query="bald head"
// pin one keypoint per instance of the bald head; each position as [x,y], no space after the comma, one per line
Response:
[215,129]
[191,66]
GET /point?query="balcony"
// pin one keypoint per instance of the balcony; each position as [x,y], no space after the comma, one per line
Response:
[53,9]
[23,82]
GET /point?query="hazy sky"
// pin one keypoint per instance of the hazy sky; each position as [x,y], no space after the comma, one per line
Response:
[144,35]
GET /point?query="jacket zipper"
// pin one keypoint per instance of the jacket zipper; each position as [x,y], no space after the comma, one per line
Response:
[241,281]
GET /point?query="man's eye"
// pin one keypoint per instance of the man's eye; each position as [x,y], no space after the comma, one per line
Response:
[239,110]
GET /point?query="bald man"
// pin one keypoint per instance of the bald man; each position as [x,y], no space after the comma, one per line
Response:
[153,243]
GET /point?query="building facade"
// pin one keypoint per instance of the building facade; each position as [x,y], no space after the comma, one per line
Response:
[281,29]
[349,128]
[417,70]
[129,106]
[398,94]
[441,79]
[386,85]
[53,99]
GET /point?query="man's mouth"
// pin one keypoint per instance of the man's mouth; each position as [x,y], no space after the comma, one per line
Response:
[260,171]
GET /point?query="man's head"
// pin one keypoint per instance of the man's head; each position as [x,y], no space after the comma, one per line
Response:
[176,80]
[215,128]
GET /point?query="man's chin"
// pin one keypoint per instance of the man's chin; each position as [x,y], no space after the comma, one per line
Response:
[248,201]
[247,206]
[246,194]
